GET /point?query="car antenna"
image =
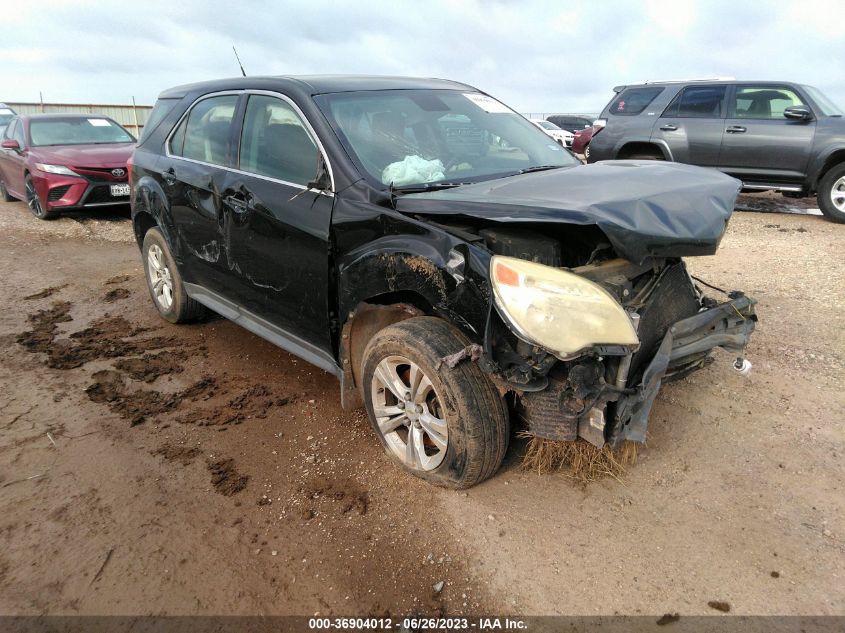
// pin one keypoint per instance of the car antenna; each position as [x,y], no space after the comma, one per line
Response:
[243,72]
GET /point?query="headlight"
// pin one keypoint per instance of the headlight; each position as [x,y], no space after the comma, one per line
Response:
[558,310]
[56,169]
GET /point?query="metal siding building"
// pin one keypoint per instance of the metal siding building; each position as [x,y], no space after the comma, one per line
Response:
[123,114]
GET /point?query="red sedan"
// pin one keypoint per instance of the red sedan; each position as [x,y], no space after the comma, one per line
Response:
[582,140]
[57,162]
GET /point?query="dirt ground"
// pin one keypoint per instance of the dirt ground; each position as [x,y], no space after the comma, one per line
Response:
[147,468]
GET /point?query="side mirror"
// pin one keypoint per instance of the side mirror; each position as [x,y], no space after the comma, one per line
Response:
[11,143]
[798,113]
[322,181]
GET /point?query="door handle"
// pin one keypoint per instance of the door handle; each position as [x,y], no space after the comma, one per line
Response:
[668,127]
[169,176]
[237,203]
[735,129]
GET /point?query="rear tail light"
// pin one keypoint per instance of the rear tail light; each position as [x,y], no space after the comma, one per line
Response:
[129,166]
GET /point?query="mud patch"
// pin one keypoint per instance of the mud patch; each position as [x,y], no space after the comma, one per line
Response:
[254,402]
[117,279]
[47,292]
[139,405]
[225,479]
[105,337]
[148,367]
[44,326]
[345,495]
[175,453]
[116,295]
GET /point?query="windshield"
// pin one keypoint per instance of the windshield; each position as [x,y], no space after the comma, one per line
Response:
[6,115]
[77,131]
[827,107]
[547,125]
[418,137]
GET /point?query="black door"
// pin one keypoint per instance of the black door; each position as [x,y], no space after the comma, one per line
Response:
[760,144]
[277,229]
[692,125]
[194,174]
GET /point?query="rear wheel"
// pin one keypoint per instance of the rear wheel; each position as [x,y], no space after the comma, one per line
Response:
[165,283]
[448,426]
[4,193]
[831,195]
[34,202]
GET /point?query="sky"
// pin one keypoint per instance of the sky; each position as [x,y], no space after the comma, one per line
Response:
[538,57]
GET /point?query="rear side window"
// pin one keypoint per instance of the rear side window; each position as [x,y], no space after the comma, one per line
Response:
[205,134]
[275,143]
[160,110]
[633,100]
[698,102]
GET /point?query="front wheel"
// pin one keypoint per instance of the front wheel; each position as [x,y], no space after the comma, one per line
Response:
[34,202]
[447,426]
[831,195]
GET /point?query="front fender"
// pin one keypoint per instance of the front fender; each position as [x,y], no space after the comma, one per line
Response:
[424,267]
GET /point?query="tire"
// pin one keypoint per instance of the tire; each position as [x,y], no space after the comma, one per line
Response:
[459,408]
[4,193]
[165,283]
[34,202]
[832,183]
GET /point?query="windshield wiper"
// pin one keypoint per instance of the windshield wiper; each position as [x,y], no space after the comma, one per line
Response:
[534,168]
[431,186]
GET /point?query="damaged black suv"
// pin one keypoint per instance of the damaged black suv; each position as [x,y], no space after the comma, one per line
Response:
[440,255]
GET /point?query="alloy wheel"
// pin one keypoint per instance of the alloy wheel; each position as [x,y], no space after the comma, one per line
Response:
[32,200]
[408,413]
[837,194]
[161,281]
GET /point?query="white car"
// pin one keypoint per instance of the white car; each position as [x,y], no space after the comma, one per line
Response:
[561,136]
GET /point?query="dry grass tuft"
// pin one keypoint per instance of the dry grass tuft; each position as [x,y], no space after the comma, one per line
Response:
[582,460]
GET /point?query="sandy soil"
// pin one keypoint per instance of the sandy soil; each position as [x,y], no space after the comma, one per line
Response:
[147,468]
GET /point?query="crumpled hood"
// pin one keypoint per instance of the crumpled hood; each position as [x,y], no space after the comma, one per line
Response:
[645,208]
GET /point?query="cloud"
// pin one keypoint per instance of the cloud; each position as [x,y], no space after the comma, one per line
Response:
[536,56]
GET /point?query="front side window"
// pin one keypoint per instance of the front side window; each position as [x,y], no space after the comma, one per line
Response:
[204,135]
[275,142]
[763,103]
[416,137]
[697,102]
[633,100]
[77,130]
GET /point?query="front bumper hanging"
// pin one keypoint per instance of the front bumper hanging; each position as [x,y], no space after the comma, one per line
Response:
[684,348]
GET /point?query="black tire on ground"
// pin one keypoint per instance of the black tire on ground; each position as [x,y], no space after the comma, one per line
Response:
[475,412]
[34,202]
[826,189]
[182,308]
[4,193]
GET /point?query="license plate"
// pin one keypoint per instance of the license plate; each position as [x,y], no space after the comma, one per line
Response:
[119,190]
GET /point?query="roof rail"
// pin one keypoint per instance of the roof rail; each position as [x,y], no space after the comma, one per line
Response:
[683,81]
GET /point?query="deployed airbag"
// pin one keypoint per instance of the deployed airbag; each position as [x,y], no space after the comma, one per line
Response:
[412,170]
